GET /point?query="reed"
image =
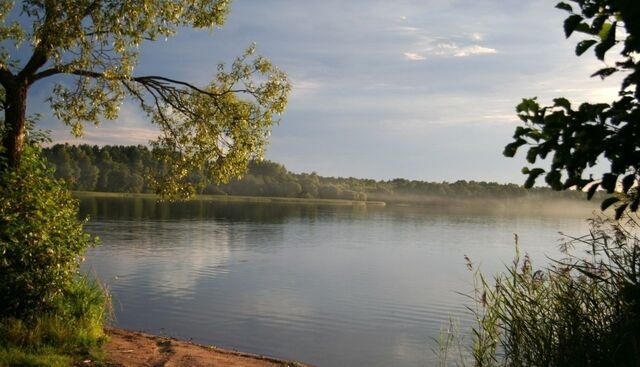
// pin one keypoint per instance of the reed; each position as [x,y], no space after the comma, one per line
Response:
[581,310]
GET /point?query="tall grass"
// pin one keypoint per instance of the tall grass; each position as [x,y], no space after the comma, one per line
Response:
[581,310]
[71,331]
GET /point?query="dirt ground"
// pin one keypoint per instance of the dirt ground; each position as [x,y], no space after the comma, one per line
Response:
[134,349]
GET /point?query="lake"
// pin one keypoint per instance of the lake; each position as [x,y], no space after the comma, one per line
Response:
[326,285]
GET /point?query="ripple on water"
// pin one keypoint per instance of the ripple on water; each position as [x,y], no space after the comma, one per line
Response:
[330,286]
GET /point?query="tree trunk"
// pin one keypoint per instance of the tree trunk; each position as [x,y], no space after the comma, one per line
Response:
[15,124]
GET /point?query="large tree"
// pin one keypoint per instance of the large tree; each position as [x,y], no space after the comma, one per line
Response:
[215,127]
[578,138]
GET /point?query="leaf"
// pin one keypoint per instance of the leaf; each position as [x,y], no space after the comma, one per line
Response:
[511,149]
[521,130]
[608,202]
[592,190]
[564,6]
[583,46]
[604,72]
[604,30]
[584,28]
[532,154]
[598,23]
[620,210]
[528,105]
[562,102]
[609,182]
[589,9]
[533,175]
[571,23]
[607,42]
[627,182]
[553,179]
[570,182]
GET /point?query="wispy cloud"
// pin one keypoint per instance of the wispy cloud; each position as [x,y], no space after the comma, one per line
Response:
[449,49]
[423,44]
[476,36]
[474,50]
[131,127]
[413,56]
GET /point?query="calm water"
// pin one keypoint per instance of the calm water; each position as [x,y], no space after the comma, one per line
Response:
[331,286]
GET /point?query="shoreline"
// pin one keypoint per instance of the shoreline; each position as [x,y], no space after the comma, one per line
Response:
[234,198]
[127,348]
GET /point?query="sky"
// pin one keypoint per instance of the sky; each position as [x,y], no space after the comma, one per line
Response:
[418,89]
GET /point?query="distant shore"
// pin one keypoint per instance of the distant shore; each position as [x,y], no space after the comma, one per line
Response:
[136,349]
[539,205]
[238,199]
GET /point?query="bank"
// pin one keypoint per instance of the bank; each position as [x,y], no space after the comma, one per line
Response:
[135,349]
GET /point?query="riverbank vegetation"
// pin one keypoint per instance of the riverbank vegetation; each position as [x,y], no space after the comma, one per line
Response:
[131,169]
[582,309]
[50,314]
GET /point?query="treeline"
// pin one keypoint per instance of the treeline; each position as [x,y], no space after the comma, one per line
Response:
[131,168]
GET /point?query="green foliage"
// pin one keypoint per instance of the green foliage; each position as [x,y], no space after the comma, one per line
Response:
[41,239]
[217,138]
[577,138]
[70,331]
[214,128]
[131,168]
[580,311]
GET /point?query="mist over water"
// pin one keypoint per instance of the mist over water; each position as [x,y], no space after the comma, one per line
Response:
[327,285]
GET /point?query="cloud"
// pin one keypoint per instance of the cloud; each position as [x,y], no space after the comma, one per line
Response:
[424,43]
[475,36]
[302,87]
[474,50]
[449,49]
[413,56]
[407,30]
[501,118]
[131,127]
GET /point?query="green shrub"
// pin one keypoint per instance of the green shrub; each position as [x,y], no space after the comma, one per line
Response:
[70,331]
[50,314]
[580,311]
[41,239]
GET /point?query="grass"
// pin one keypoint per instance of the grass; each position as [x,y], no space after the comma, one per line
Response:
[71,332]
[234,198]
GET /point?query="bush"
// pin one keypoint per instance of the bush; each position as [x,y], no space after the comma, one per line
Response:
[50,314]
[41,239]
[70,331]
[580,311]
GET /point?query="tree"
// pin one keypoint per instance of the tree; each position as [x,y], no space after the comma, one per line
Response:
[41,237]
[95,44]
[88,174]
[66,168]
[577,137]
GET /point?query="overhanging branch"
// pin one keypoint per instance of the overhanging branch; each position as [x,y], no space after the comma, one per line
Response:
[147,80]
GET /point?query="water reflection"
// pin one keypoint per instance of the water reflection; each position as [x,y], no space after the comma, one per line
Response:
[333,286]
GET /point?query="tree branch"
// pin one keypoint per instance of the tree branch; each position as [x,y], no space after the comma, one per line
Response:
[146,80]
[36,61]
[7,79]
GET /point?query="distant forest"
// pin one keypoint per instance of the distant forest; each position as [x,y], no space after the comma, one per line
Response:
[130,169]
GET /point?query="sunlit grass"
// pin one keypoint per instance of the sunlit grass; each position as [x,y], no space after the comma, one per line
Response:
[72,331]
